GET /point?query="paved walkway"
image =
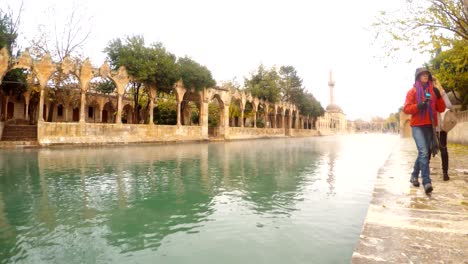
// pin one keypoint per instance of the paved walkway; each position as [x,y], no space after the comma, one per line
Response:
[404,225]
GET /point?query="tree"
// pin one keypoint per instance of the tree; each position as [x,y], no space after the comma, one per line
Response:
[166,112]
[194,75]
[290,84]
[9,29]
[451,68]
[151,66]
[105,86]
[308,105]
[14,82]
[425,25]
[264,84]
[62,38]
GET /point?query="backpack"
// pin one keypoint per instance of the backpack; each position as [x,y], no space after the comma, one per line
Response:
[449,121]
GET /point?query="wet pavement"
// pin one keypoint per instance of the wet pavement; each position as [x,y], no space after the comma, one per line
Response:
[404,225]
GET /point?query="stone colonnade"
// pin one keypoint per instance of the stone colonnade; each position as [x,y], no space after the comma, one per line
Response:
[101,108]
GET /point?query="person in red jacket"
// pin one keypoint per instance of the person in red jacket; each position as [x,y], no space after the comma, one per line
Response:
[423,101]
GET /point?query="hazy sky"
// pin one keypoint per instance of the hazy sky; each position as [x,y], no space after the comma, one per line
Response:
[232,38]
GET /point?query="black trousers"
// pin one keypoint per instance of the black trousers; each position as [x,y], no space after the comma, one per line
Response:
[442,135]
[443,150]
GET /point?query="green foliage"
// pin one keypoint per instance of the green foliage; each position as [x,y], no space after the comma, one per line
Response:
[8,31]
[290,84]
[451,69]
[425,25]
[264,84]
[231,85]
[213,115]
[165,113]
[14,82]
[234,110]
[147,65]
[308,105]
[284,85]
[194,75]
[106,86]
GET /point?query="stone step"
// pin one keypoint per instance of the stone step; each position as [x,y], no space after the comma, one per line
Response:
[19,144]
[19,133]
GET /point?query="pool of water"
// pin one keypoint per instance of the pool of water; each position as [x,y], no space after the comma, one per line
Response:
[294,200]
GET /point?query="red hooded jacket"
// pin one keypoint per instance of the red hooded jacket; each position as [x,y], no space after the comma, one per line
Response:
[411,108]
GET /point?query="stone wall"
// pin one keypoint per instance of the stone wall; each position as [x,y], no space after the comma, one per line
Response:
[459,134]
[86,133]
[304,132]
[250,132]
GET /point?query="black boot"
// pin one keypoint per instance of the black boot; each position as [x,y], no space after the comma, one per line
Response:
[446,177]
[414,181]
[428,188]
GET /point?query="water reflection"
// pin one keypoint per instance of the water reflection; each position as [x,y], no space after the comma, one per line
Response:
[75,205]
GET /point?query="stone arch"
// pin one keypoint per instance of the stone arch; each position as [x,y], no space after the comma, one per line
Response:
[108,112]
[93,113]
[235,112]
[165,109]
[216,116]
[248,113]
[190,108]
[294,119]
[262,112]
[287,118]
[280,117]
[271,119]
[127,114]
[14,95]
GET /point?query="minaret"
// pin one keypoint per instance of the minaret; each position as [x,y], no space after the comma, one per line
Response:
[331,84]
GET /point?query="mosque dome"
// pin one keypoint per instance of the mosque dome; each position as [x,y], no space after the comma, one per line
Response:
[334,108]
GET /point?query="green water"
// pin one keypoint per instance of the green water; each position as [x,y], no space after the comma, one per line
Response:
[299,200]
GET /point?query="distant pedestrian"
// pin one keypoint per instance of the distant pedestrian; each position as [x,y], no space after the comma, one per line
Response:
[446,122]
[423,101]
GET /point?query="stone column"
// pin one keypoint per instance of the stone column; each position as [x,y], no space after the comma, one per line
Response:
[26,102]
[41,105]
[204,118]
[43,70]
[282,121]
[151,107]
[152,96]
[121,80]
[178,113]
[100,113]
[66,107]
[242,117]
[255,119]
[118,118]
[180,92]
[82,107]
[226,122]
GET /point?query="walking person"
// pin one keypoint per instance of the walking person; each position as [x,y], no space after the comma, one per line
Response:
[423,102]
[443,130]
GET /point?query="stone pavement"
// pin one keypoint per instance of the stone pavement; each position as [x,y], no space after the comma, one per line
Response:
[404,225]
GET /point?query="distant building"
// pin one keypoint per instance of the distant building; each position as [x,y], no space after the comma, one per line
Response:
[334,120]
